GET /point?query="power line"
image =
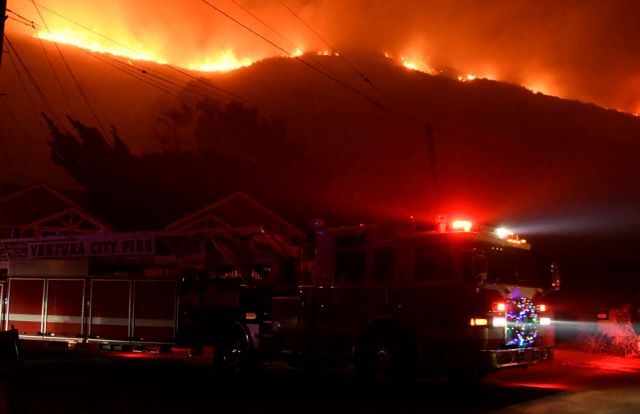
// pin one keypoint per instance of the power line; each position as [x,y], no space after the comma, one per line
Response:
[263,23]
[335,52]
[13,116]
[211,85]
[73,76]
[127,47]
[133,73]
[3,19]
[53,70]
[127,68]
[428,127]
[16,122]
[29,100]
[21,19]
[169,85]
[315,68]
[55,75]
[111,40]
[279,34]
[33,80]
[228,16]
[145,73]
[81,25]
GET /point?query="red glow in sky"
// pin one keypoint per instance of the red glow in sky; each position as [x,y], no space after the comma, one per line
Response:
[578,50]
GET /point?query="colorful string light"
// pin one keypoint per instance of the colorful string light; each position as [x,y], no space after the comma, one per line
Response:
[522,322]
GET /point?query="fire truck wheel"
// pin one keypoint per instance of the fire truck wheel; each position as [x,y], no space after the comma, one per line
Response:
[384,358]
[231,353]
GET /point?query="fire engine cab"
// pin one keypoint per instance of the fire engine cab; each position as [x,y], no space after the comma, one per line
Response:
[395,304]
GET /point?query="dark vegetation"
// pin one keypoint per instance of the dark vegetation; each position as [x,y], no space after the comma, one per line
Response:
[236,150]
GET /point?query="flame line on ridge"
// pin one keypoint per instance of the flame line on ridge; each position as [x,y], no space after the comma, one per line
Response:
[73,76]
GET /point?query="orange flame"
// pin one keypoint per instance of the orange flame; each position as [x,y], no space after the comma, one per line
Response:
[418,64]
[197,37]
[67,36]
[222,61]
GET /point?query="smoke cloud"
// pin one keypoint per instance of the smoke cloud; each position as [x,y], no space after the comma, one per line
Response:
[576,49]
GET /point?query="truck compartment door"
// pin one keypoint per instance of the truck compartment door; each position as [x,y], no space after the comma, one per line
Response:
[25,309]
[64,308]
[155,310]
[110,311]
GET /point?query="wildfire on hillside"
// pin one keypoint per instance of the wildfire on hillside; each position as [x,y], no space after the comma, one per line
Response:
[554,49]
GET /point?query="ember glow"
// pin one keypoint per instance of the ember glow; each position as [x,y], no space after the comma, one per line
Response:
[68,37]
[415,63]
[586,52]
[221,61]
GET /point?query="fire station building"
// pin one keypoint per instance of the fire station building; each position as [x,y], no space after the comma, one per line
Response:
[67,276]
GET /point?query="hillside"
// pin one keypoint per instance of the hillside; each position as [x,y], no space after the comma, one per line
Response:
[501,151]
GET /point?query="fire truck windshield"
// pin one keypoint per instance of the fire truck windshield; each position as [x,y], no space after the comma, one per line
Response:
[499,264]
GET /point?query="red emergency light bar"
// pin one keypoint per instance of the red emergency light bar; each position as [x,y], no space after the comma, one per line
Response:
[443,224]
[461,225]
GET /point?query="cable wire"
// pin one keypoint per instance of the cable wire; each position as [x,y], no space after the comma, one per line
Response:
[14,51]
[73,76]
[21,18]
[55,75]
[298,58]
[111,40]
[333,49]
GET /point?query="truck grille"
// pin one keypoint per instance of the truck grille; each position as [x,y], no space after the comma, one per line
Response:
[523,322]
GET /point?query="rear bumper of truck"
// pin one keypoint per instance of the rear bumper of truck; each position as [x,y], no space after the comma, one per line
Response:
[505,358]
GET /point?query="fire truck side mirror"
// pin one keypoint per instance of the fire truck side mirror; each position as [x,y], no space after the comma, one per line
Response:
[479,278]
[479,269]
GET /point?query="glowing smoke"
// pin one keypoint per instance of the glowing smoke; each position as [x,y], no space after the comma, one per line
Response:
[574,49]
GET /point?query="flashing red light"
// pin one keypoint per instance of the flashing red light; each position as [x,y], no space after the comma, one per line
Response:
[461,225]
[499,307]
[542,307]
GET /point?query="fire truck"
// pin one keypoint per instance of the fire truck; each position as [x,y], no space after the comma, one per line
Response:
[457,299]
[392,302]
[122,290]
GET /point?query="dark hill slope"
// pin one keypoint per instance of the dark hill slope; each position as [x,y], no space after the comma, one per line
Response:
[501,152]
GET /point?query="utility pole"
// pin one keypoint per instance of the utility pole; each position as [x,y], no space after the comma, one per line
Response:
[3,8]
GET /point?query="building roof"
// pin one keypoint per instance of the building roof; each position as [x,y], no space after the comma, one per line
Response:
[235,211]
[41,205]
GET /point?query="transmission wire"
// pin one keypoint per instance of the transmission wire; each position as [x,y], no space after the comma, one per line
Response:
[73,76]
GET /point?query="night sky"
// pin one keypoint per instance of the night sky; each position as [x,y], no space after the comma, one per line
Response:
[584,50]
[555,167]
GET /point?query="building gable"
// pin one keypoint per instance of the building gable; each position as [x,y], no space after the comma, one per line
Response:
[40,210]
[236,211]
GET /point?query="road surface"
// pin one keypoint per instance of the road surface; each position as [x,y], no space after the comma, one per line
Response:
[144,383]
